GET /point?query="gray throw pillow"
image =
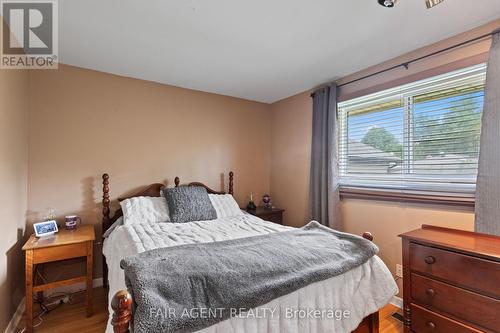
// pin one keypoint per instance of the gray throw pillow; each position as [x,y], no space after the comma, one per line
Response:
[189,203]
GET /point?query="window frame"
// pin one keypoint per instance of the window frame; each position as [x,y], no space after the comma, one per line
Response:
[463,195]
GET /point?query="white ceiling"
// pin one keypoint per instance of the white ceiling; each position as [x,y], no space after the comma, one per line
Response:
[262,50]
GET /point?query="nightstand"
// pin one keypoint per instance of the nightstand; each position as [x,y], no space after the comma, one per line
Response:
[66,244]
[269,214]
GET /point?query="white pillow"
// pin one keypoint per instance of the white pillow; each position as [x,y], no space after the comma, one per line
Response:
[225,205]
[144,210]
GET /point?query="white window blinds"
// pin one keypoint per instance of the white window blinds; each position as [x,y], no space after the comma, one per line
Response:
[422,136]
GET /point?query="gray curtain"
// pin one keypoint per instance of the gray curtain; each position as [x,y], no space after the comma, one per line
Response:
[488,179]
[324,192]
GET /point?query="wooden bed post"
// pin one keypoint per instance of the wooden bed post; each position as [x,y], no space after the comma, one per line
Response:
[122,311]
[105,200]
[371,323]
[374,322]
[106,221]
[368,235]
[231,175]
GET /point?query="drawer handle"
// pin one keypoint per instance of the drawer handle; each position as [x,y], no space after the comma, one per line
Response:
[430,260]
[430,292]
[431,325]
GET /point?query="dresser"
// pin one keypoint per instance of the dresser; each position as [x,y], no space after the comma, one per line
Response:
[451,281]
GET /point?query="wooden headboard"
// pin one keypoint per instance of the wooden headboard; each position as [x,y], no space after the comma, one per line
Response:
[153,190]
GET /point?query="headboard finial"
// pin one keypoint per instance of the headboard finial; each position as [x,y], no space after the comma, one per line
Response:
[177,181]
[105,200]
[368,235]
[231,175]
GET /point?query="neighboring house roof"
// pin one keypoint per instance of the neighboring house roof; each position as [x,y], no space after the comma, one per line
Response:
[368,159]
[447,158]
[360,151]
[445,163]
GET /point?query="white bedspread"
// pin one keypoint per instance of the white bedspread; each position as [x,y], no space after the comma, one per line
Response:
[360,291]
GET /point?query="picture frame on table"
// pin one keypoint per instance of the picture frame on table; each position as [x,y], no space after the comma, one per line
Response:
[46,228]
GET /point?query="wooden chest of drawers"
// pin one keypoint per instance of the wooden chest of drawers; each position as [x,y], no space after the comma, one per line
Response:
[451,281]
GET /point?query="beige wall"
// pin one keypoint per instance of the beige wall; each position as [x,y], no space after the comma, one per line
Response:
[291,121]
[13,187]
[84,123]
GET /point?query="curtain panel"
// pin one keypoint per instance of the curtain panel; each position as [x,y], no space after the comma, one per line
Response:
[488,178]
[324,181]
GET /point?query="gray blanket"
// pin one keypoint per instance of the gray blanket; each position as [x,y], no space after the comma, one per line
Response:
[189,287]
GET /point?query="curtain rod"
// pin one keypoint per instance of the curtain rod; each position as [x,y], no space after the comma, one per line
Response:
[406,64]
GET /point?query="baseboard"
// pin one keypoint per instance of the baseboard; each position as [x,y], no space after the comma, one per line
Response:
[73,288]
[16,318]
[397,301]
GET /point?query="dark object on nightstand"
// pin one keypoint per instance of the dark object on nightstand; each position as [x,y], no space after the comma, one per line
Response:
[450,281]
[251,206]
[269,214]
[266,201]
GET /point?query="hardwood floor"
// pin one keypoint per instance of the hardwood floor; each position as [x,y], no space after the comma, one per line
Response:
[70,317]
[389,324]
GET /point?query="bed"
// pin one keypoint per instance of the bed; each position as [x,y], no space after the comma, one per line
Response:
[362,290]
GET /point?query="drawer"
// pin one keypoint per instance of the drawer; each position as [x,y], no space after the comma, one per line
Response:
[463,270]
[275,217]
[55,253]
[425,321]
[462,304]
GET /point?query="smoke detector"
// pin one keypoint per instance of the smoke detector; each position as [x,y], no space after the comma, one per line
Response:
[388,3]
[392,3]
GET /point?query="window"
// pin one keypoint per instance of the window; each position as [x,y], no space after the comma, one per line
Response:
[422,136]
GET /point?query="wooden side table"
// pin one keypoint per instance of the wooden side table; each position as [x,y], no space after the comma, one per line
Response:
[269,214]
[66,244]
